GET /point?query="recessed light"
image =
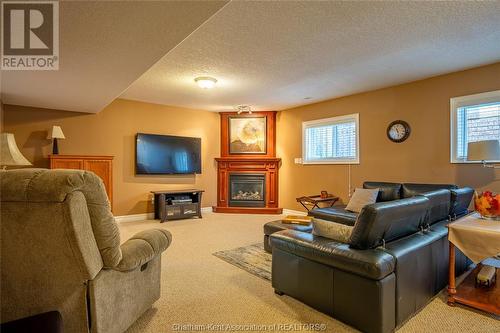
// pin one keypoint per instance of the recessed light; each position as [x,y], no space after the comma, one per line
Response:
[205,82]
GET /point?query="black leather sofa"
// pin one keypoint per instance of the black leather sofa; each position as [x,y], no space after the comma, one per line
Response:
[395,262]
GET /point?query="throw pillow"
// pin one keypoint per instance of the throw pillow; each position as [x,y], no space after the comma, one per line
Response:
[361,198]
[328,229]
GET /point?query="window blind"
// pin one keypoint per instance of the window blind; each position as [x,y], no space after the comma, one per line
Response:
[476,123]
[331,141]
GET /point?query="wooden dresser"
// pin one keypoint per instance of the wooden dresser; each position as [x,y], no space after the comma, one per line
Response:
[100,165]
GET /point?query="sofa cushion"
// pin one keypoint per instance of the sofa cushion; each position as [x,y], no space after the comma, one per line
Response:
[439,205]
[360,198]
[332,230]
[388,221]
[409,190]
[374,264]
[387,191]
[335,214]
[275,226]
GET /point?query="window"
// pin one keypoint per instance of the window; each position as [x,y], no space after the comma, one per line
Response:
[331,141]
[473,118]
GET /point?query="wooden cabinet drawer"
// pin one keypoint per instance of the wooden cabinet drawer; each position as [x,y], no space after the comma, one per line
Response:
[190,209]
[173,211]
[66,164]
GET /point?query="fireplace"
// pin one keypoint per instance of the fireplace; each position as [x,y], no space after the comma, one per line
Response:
[247,190]
[248,179]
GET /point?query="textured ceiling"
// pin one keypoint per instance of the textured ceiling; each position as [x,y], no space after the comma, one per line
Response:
[272,55]
[104,47]
[268,54]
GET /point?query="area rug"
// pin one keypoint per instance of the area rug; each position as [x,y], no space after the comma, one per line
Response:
[252,258]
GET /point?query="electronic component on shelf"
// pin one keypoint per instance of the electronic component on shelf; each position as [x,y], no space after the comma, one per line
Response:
[181,201]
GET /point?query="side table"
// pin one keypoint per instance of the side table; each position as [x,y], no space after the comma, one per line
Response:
[313,201]
[478,239]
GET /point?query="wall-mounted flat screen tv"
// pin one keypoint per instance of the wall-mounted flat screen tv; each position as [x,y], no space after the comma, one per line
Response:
[167,154]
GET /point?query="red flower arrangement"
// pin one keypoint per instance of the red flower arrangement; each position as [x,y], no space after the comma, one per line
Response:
[487,204]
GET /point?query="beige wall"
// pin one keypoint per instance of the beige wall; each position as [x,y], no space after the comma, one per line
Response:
[112,132]
[424,157]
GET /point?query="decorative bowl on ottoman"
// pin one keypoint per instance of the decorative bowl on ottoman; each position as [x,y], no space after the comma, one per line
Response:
[488,205]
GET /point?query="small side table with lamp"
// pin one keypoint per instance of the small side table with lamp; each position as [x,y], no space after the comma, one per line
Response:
[488,152]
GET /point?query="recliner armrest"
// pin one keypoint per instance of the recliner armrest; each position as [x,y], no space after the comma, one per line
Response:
[143,247]
[373,263]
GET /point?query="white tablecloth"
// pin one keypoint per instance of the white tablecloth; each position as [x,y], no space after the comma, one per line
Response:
[477,238]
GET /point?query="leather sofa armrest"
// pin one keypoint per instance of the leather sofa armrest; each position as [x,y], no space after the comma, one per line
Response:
[143,247]
[374,264]
[460,201]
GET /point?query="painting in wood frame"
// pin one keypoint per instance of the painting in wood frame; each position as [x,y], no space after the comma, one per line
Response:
[248,135]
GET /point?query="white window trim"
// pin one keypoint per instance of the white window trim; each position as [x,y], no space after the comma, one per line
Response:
[326,121]
[458,102]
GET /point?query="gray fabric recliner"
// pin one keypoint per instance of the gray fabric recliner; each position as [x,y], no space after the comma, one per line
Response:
[61,251]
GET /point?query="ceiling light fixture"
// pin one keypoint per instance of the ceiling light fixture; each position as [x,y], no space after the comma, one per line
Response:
[205,82]
[243,108]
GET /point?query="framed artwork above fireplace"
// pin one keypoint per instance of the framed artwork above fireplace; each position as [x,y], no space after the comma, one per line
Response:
[248,135]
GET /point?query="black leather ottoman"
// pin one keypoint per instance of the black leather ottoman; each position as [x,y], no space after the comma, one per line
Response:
[275,226]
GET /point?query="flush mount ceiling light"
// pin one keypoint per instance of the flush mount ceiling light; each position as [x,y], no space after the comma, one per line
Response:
[205,82]
[243,108]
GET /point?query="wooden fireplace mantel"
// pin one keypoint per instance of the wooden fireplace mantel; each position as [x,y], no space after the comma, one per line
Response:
[257,165]
[249,160]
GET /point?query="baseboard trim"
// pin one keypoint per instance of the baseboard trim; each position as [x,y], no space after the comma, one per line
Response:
[150,216]
[147,216]
[134,217]
[206,209]
[248,210]
[293,212]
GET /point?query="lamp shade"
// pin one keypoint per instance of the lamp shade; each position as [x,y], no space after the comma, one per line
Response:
[56,133]
[10,154]
[488,150]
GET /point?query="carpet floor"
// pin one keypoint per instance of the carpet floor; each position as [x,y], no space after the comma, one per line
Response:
[200,289]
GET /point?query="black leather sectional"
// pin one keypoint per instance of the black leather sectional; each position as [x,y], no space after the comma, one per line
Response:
[395,262]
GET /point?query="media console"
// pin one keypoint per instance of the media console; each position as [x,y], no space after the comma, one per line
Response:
[177,204]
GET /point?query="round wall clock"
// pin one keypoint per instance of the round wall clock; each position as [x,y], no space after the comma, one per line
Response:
[398,131]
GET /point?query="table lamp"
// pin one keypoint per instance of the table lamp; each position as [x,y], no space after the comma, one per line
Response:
[10,154]
[484,151]
[55,134]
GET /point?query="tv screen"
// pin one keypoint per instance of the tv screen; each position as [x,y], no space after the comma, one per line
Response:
[166,154]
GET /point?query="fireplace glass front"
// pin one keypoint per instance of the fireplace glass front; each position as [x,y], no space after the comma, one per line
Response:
[247,190]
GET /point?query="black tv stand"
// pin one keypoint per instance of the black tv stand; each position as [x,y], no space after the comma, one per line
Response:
[177,204]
